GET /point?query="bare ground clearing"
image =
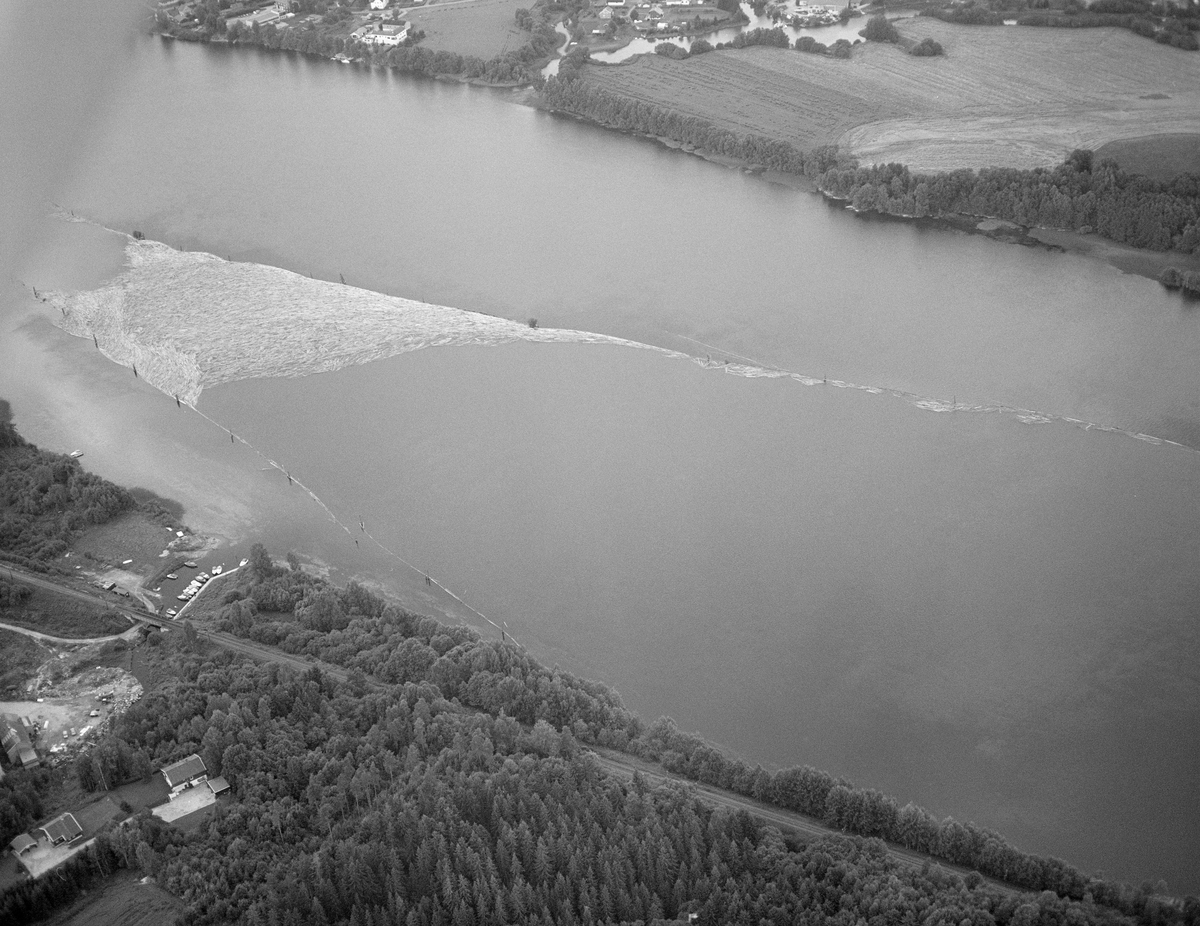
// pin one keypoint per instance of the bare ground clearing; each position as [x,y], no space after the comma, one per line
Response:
[123,899]
[1016,97]
[19,658]
[485,28]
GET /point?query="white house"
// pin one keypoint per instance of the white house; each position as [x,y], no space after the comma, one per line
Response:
[386,34]
[606,13]
[379,4]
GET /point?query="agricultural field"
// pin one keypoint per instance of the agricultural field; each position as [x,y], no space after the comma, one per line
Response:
[1159,156]
[484,28]
[1014,97]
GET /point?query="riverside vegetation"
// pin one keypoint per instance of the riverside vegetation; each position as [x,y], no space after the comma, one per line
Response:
[1078,194]
[447,780]
[1115,204]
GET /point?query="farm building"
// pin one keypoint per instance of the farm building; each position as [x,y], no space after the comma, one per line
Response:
[15,740]
[22,844]
[63,828]
[184,774]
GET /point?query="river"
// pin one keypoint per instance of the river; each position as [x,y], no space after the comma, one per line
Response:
[989,612]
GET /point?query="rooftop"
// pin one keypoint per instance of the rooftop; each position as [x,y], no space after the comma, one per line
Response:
[184,770]
[62,828]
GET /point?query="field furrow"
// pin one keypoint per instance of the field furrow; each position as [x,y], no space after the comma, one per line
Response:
[1018,97]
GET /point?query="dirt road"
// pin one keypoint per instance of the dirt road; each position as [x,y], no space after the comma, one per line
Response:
[127,635]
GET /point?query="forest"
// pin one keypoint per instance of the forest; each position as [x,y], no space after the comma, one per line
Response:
[354,629]
[448,780]
[1167,23]
[1078,194]
[397,804]
[45,497]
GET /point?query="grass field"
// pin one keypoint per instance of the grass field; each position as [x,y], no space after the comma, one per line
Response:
[1017,97]
[1159,156]
[484,28]
[63,616]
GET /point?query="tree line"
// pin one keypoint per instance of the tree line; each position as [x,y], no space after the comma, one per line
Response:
[1078,194]
[396,804]
[355,629]
[1168,24]
[578,97]
[45,497]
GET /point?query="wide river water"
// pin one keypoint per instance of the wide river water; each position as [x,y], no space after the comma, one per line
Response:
[990,613]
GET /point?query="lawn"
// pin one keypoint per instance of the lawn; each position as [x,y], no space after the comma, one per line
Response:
[1017,97]
[484,28]
[1159,156]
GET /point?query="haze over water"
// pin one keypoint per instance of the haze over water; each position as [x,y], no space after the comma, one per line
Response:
[995,620]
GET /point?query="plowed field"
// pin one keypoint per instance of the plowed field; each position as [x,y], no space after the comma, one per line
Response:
[1019,97]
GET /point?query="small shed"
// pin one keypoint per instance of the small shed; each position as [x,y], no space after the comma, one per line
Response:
[218,785]
[185,773]
[22,844]
[63,828]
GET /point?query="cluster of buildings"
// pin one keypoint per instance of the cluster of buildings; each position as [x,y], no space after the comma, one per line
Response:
[52,843]
[61,831]
[383,33]
[280,14]
[658,16]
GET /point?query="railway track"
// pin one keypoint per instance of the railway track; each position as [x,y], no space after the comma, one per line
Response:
[621,764]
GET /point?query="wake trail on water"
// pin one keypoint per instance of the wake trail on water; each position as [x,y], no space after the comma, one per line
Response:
[188,320]
[753,368]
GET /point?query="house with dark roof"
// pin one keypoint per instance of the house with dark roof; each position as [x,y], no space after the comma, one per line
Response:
[184,774]
[62,829]
[218,786]
[22,844]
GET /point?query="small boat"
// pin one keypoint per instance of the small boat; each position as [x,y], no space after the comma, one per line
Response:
[182,597]
[76,454]
[172,575]
[217,570]
[190,564]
